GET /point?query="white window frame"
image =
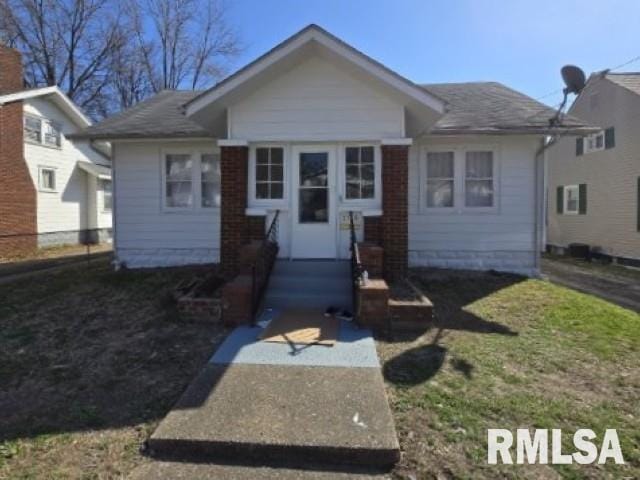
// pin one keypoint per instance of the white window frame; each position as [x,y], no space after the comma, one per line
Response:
[44,124]
[269,202]
[377,176]
[196,179]
[41,187]
[565,207]
[459,182]
[102,183]
[493,180]
[586,148]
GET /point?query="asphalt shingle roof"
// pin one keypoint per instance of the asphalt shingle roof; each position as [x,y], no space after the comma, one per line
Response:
[485,107]
[475,107]
[160,116]
[629,80]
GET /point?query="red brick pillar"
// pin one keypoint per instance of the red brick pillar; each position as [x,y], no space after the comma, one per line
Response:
[17,191]
[234,224]
[394,225]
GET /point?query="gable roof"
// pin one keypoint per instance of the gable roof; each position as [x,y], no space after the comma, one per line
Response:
[628,80]
[491,107]
[59,98]
[161,116]
[315,34]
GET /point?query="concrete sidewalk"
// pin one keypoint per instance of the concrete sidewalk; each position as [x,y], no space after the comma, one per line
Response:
[281,408]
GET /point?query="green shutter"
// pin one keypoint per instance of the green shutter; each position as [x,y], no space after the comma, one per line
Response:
[638,204]
[579,146]
[582,199]
[609,138]
[560,199]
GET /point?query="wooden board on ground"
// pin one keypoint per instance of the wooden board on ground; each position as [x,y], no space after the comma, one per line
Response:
[303,327]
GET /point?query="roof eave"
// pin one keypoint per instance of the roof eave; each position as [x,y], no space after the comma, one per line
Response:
[569,130]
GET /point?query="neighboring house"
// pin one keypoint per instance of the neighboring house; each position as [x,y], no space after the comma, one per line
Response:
[440,175]
[594,182]
[48,182]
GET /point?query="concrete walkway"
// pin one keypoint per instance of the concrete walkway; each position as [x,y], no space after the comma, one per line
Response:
[281,408]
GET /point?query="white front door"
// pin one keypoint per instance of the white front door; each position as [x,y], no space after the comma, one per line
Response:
[313,232]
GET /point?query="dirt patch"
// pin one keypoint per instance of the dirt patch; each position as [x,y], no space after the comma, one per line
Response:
[90,361]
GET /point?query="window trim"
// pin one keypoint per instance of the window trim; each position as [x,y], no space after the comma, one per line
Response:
[44,122]
[251,177]
[377,175]
[565,200]
[104,209]
[459,181]
[196,179]
[585,143]
[492,207]
[41,188]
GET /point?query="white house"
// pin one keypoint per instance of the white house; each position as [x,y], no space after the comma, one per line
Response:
[444,175]
[68,187]
[595,180]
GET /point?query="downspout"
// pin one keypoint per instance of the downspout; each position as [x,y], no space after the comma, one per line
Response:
[539,195]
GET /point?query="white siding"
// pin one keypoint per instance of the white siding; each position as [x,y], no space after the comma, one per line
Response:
[611,175]
[502,239]
[146,235]
[68,207]
[316,101]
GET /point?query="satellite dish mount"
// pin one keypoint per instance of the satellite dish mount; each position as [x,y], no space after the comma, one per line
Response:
[574,80]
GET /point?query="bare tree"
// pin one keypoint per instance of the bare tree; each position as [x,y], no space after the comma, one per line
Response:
[68,43]
[110,54]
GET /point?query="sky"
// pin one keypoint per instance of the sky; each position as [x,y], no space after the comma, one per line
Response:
[522,44]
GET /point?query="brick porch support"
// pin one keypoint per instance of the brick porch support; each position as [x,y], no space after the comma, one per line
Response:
[234,223]
[394,223]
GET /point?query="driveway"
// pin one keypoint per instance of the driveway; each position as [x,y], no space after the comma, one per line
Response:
[612,283]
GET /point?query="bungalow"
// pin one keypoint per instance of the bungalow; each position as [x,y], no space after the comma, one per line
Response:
[442,175]
[53,190]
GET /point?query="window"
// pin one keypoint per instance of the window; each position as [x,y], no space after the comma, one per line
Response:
[595,142]
[478,185]
[178,180]
[440,179]
[107,195]
[191,180]
[210,180]
[32,129]
[269,173]
[47,179]
[571,199]
[52,134]
[359,173]
[42,131]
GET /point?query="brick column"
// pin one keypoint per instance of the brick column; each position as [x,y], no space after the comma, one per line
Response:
[394,224]
[17,191]
[234,224]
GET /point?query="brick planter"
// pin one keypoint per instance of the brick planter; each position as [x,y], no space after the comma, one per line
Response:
[409,308]
[201,300]
[236,301]
[373,304]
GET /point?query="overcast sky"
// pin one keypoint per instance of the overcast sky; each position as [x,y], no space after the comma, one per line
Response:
[520,43]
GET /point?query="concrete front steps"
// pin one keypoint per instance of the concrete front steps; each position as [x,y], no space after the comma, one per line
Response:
[280,414]
[315,284]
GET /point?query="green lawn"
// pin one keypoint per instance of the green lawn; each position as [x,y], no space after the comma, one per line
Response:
[505,352]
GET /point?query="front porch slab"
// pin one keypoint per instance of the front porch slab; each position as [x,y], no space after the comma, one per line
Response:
[334,415]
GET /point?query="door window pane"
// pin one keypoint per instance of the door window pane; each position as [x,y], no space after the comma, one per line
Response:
[313,205]
[313,169]
[440,179]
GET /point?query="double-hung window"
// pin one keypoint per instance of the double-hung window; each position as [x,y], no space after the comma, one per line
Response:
[42,131]
[440,179]
[52,134]
[32,128]
[191,180]
[571,199]
[47,179]
[478,182]
[269,173]
[360,173]
[107,195]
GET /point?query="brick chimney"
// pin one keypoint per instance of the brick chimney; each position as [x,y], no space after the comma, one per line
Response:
[17,191]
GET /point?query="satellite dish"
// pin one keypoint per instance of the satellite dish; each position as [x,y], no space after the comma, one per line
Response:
[573,78]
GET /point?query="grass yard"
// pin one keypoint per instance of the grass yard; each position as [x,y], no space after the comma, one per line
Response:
[507,352]
[90,361]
